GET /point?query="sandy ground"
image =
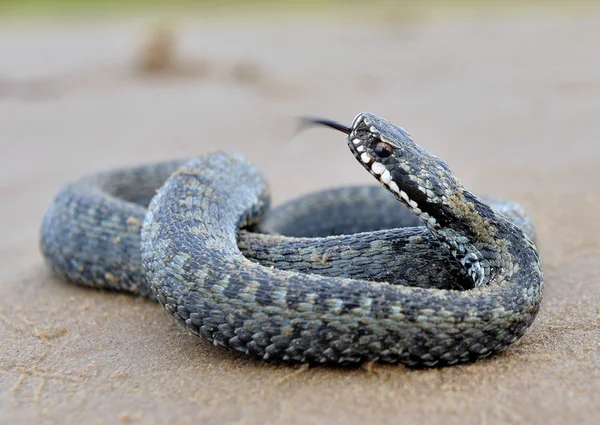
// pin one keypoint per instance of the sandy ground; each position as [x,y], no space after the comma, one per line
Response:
[513,106]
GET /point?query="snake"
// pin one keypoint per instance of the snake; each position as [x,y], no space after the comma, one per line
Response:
[416,270]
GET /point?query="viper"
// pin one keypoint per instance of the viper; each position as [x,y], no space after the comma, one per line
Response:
[418,270]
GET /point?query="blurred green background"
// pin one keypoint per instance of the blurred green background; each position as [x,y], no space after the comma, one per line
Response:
[375,7]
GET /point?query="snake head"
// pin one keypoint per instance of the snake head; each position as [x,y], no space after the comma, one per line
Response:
[421,181]
[418,179]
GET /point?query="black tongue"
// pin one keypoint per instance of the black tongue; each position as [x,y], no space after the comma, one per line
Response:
[311,121]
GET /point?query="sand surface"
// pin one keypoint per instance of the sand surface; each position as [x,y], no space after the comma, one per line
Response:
[512,104]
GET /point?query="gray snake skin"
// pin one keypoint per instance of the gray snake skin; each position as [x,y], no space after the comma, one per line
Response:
[430,276]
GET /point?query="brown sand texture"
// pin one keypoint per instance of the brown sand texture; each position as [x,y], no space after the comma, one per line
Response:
[511,103]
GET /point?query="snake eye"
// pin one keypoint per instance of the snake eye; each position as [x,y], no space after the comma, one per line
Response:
[383,150]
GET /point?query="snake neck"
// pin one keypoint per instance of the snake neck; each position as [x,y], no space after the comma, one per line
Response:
[481,240]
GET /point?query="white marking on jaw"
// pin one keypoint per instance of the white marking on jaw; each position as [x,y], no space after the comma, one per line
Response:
[357,141]
[386,177]
[364,157]
[428,219]
[378,167]
[360,148]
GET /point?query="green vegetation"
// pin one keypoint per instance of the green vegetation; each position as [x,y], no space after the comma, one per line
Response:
[53,7]
[49,5]
[377,8]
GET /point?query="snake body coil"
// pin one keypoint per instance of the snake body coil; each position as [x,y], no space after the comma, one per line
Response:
[465,285]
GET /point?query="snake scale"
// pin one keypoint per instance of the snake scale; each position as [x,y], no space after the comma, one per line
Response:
[417,270]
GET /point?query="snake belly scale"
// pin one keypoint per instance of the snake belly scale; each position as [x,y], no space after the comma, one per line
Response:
[463,284]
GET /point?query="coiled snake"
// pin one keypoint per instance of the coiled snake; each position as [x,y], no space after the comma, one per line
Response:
[355,278]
